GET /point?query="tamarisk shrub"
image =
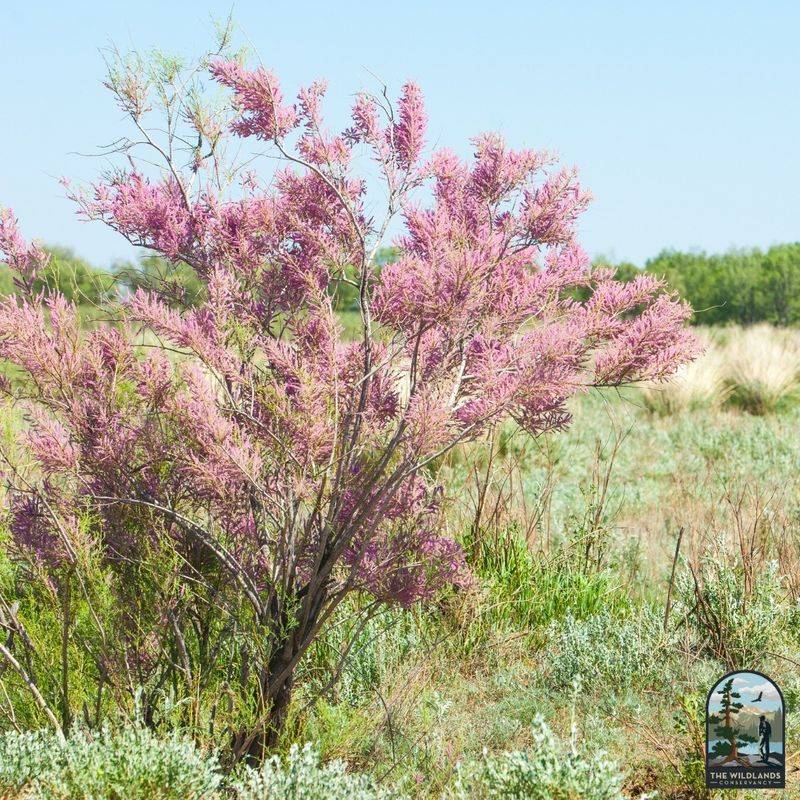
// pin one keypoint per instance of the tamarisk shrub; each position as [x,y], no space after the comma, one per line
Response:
[234,468]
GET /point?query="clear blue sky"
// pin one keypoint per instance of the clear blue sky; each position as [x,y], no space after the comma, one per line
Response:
[683,117]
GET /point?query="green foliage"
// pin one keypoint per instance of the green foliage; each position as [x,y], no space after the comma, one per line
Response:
[6,281]
[128,765]
[383,642]
[689,726]
[172,279]
[741,617]
[302,776]
[72,276]
[549,770]
[527,590]
[743,286]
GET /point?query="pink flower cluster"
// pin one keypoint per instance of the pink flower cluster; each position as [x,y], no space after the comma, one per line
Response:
[26,259]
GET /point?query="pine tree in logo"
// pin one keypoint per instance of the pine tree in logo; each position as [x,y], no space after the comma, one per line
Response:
[729,739]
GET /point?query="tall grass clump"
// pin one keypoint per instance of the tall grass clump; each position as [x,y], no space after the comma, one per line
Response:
[756,369]
[764,372]
[702,383]
[532,571]
[529,590]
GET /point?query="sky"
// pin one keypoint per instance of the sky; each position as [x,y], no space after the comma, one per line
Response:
[749,685]
[683,117]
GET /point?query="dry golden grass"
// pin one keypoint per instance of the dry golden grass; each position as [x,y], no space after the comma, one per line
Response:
[699,384]
[764,367]
[756,369]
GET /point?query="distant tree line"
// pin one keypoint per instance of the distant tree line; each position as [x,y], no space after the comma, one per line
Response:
[738,286]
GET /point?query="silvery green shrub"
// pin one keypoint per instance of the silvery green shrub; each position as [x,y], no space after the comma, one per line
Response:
[132,764]
[383,642]
[302,776]
[549,770]
[603,646]
[739,620]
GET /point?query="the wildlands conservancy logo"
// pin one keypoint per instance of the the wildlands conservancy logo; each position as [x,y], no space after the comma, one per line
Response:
[745,733]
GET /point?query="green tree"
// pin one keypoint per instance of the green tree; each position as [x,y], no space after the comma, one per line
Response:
[743,286]
[730,739]
[698,278]
[779,284]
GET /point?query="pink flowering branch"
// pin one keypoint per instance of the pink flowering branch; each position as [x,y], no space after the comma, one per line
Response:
[27,260]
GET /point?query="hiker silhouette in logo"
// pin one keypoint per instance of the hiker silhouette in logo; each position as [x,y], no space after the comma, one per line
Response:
[764,732]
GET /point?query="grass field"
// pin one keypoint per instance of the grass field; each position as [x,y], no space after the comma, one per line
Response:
[568,618]
[582,631]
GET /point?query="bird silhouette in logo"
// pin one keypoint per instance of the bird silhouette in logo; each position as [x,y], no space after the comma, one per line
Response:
[758,699]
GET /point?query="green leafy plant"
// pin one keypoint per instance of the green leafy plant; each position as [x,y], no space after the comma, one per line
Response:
[739,617]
